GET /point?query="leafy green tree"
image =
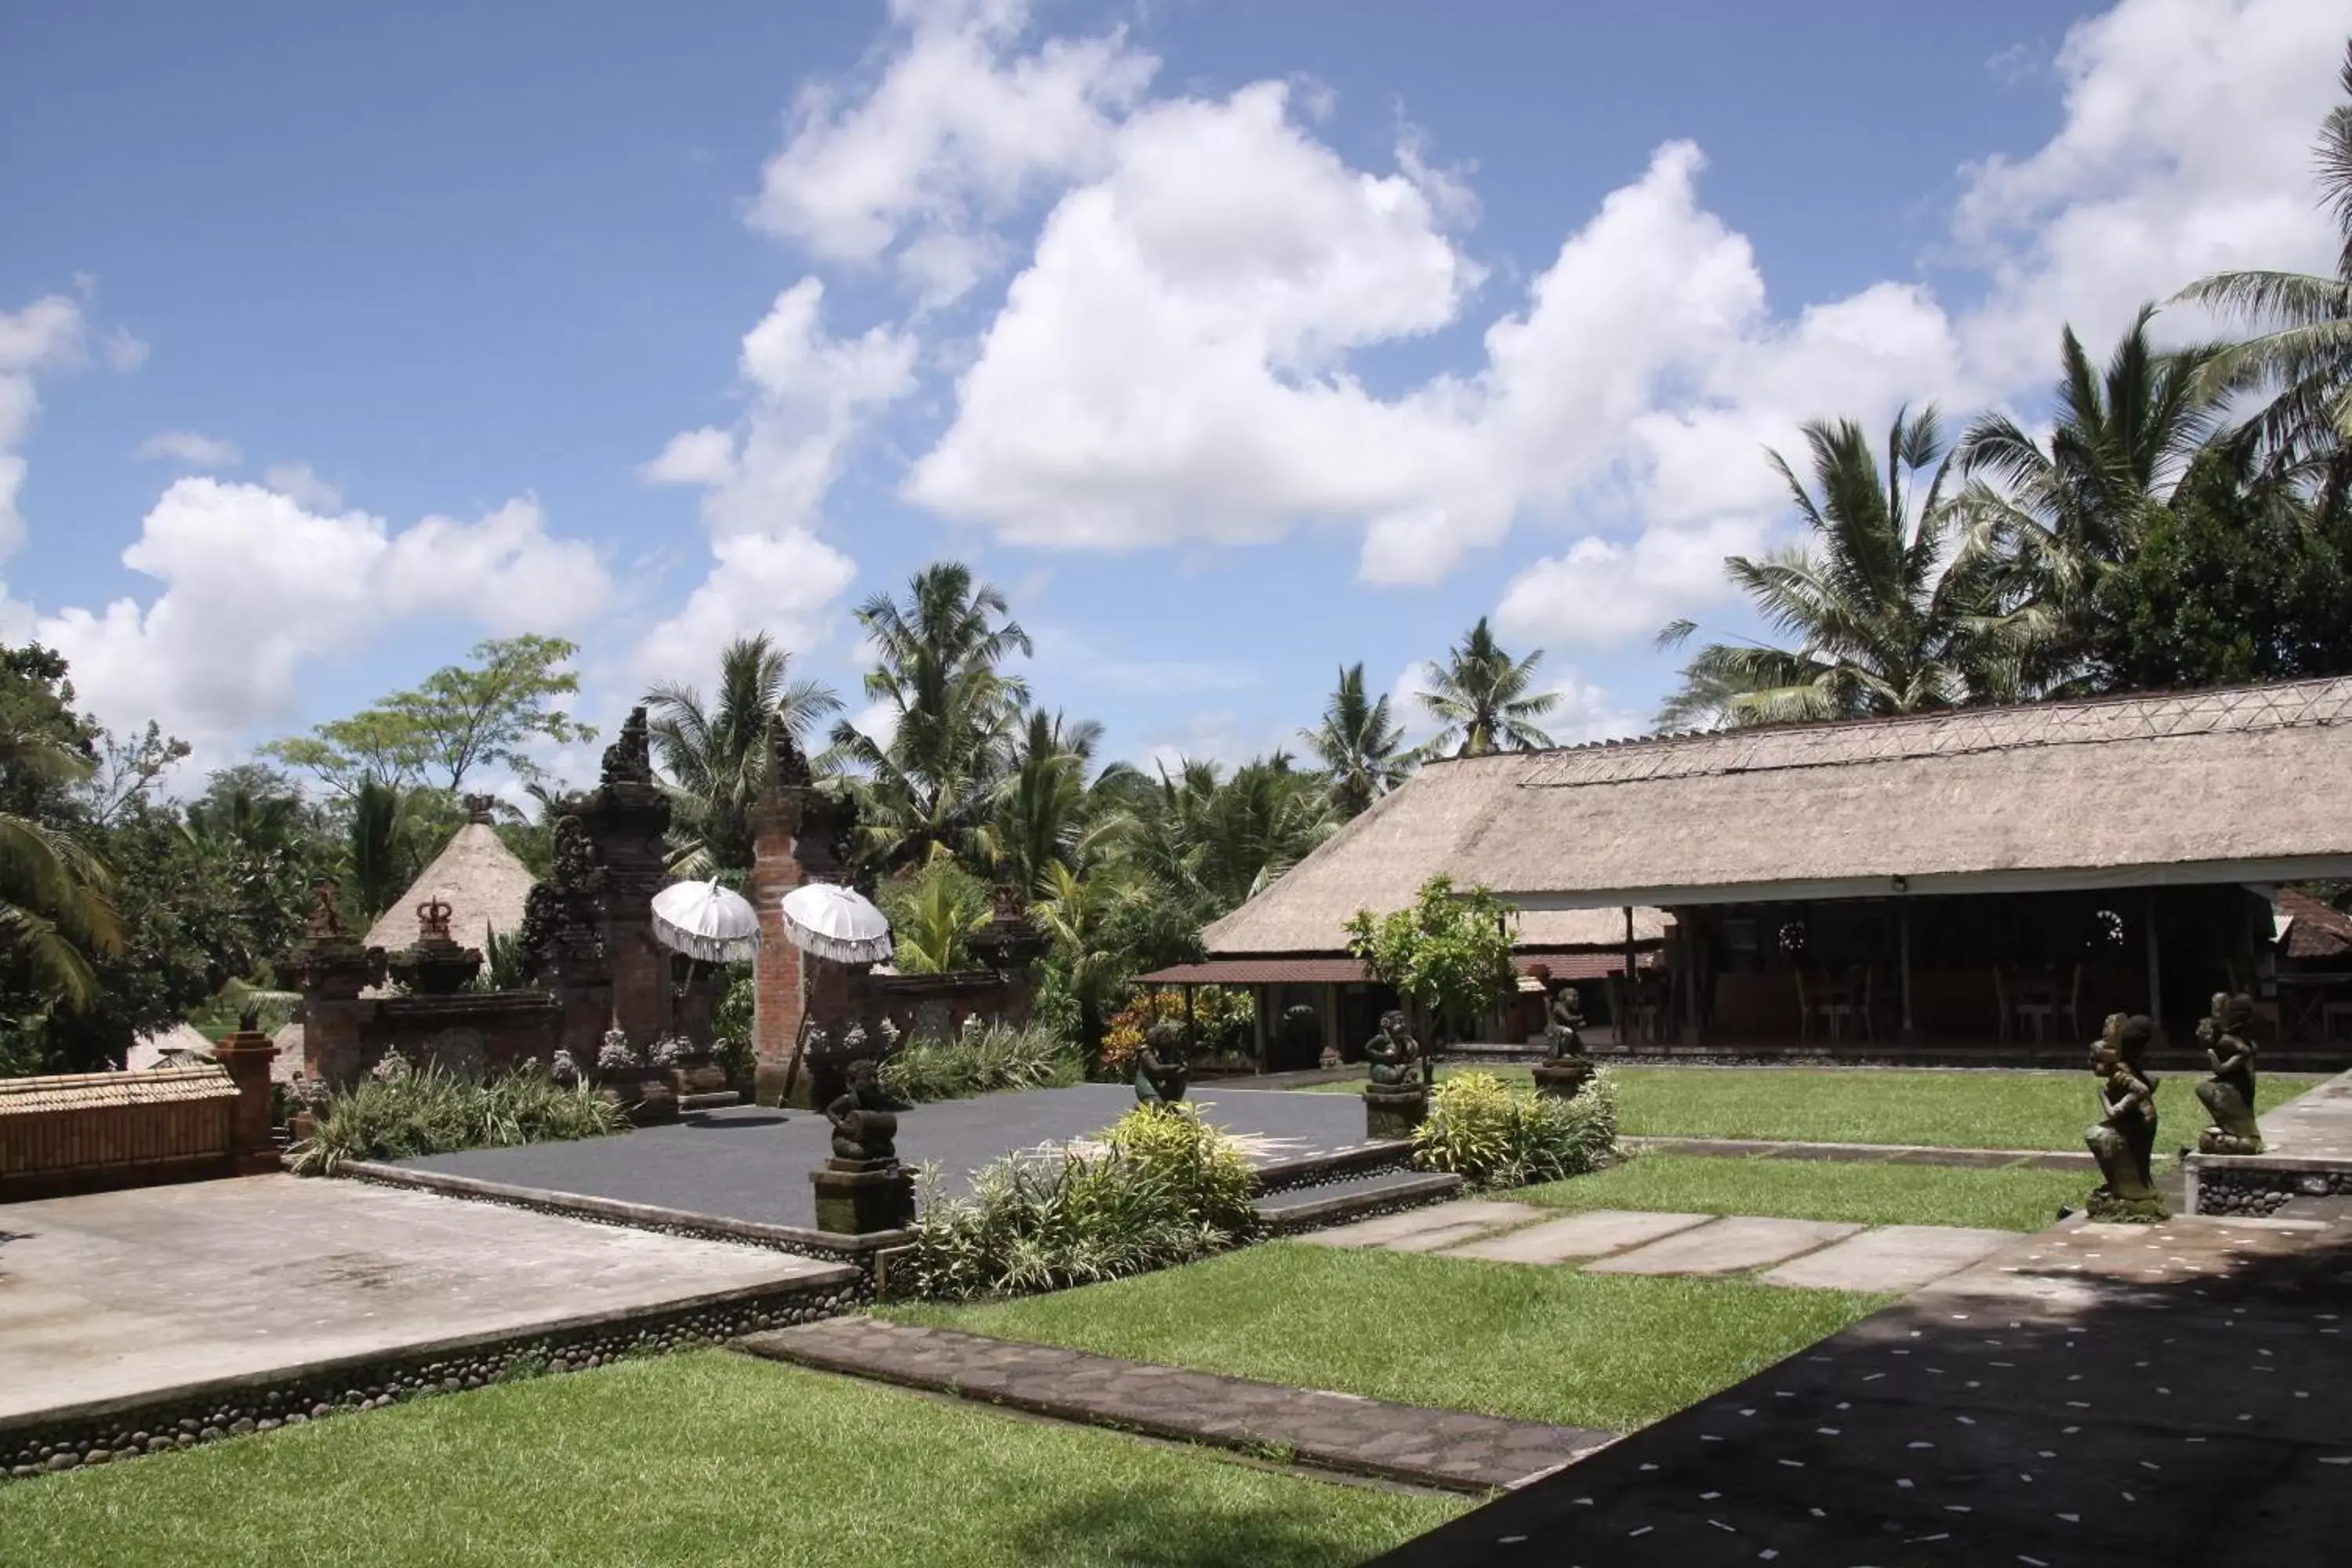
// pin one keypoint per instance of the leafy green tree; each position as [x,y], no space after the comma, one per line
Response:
[1448,955]
[1484,700]
[952,710]
[270,843]
[2068,511]
[1887,612]
[717,756]
[2232,582]
[1092,958]
[462,718]
[55,908]
[1362,750]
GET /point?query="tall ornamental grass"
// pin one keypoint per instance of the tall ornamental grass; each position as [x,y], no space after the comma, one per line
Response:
[984,1059]
[1163,1187]
[430,1111]
[1494,1135]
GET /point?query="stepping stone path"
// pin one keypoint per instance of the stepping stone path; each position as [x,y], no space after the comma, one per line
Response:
[1800,1253]
[1893,1260]
[1448,1449]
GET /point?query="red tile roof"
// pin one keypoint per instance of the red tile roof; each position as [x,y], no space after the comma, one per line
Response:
[2314,929]
[1326,971]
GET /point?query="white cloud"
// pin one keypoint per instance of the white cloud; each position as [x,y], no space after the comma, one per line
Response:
[123,352]
[189,447]
[255,588]
[301,484]
[765,480]
[47,334]
[959,129]
[1170,365]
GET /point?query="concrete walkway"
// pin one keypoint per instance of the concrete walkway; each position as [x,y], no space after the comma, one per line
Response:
[133,1294]
[2140,1397]
[1800,1253]
[1447,1448]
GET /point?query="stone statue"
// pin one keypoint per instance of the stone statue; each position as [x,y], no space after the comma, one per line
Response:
[629,759]
[863,1188]
[1396,1100]
[1564,1069]
[324,924]
[1564,1026]
[865,1119]
[1394,1054]
[2228,1095]
[1162,1064]
[2123,1140]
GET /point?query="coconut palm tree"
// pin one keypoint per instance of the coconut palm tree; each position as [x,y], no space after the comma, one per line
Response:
[717,756]
[952,713]
[2302,354]
[1080,915]
[1041,819]
[2065,512]
[1360,749]
[55,911]
[1484,700]
[1887,611]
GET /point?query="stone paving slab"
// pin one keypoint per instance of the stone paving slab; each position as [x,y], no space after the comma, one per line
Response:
[1892,1259]
[137,1293]
[1448,1449]
[1592,1234]
[2166,1399]
[1726,1247]
[1476,1214]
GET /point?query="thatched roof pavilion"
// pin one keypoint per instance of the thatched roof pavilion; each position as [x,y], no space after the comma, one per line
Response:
[477,876]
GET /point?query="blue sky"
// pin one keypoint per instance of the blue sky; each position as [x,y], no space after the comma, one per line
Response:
[1236,342]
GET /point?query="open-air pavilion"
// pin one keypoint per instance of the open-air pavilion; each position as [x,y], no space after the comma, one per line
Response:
[1983,884]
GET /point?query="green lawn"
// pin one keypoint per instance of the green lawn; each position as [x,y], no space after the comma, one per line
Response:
[702,1459]
[1545,1344]
[1860,1193]
[1983,1110]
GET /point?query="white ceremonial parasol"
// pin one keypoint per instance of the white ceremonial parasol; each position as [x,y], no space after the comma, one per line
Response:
[706,922]
[837,922]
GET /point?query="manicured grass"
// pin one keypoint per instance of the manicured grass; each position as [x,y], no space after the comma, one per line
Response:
[1545,1344]
[1981,1110]
[702,1459]
[1858,1192]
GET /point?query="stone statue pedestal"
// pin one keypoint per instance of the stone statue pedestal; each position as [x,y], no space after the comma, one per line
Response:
[704,1077]
[1394,1113]
[1564,1077]
[858,1198]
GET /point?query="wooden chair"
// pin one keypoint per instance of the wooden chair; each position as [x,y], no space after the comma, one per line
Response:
[1836,1002]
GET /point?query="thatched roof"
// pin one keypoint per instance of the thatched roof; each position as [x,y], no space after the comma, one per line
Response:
[483,883]
[2243,784]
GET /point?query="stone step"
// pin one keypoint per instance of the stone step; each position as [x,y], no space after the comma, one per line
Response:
[1358,1197]
[717,1099]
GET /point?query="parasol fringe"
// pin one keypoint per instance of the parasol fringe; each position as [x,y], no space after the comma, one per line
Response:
[706,948]
[839,950]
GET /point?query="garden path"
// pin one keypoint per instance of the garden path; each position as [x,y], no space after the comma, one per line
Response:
[1810,1254]
[1447,1448]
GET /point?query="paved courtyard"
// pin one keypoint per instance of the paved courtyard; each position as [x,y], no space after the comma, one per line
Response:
[1799,1253]
[135,1293]
[752,1163]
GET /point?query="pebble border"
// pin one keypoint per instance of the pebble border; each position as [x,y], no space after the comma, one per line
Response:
[2258,1191]
[265,1406]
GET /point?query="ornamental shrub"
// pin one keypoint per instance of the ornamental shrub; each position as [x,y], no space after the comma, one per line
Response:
[981,1060]
[1160,1187]
[1223,1019]
[430,1111]
[1492,1134]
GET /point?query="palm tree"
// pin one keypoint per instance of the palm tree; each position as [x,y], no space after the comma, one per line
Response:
[1483,699]
[1358,745]
[1041,819]
[930,789]
[717,757]
[2302,354]
[933,915]
[2068,511]
[54,909]
[1080,915]
[1887,613]
[374,869]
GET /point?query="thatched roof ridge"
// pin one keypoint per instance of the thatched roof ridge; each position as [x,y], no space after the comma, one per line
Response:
[2244,782]
[1377,862]
[483,883]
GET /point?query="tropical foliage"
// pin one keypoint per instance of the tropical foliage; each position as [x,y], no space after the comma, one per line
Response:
[428,1111]
[715,756]
[1448,954]
[1486,700]
[1362,748]
[982,1058]
[1163,1187]
[1497,1134]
